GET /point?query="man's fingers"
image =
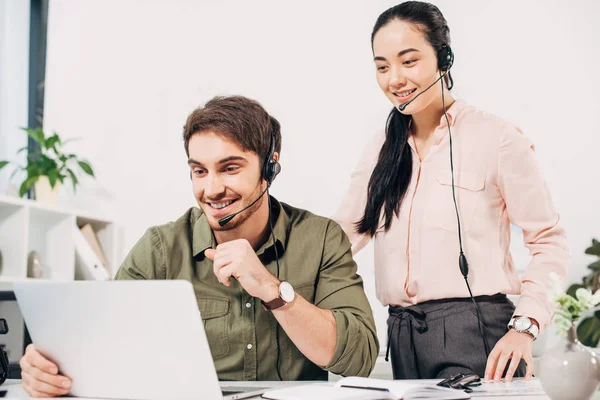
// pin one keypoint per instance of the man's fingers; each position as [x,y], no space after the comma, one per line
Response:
[31,392]
[54,380]
[502,361]
[514,363]
[43,387]
[35,359]
[220,263]
[210,254]
[225,273]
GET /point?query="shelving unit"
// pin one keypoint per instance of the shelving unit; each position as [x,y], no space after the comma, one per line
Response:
[27,225]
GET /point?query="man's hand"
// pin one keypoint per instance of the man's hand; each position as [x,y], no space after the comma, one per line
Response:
[237,259]
[40,377]
[514,346]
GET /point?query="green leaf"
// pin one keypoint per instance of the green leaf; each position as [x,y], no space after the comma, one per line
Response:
[595,266]
[36,134]
[22,149]
[73,178]
[594,249]
[52,177]
[86,168]
[588,331]
[27,184]
[573,288]
[32,168]
[3,164]
[52,141]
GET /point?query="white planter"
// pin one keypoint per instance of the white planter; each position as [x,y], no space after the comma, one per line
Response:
[44,193]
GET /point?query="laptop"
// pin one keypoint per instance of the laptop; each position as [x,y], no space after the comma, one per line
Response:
[125,339]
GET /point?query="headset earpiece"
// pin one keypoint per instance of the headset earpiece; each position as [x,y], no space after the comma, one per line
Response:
[445,58]
[271,167]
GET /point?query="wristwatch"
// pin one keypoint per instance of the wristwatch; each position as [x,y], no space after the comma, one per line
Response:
[524,324]
[286,295]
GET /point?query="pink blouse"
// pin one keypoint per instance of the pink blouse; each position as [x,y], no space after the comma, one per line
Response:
[498,182]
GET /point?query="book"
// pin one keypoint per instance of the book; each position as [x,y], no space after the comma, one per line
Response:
[89,264]
[92,239]
[321,391]
[367,388]
[400,389]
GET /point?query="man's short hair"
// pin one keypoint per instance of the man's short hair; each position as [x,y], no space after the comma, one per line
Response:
[238,118]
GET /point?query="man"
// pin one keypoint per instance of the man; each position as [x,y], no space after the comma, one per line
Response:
[277,303]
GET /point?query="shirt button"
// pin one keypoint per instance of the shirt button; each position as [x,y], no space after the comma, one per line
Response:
[249,347]
[248,305]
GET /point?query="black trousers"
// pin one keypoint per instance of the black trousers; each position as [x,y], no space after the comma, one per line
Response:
[440,338]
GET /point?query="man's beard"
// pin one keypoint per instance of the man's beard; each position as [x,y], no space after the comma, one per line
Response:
[239,219]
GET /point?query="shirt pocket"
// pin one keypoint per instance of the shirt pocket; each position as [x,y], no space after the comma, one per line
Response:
[214,312]
[440,211]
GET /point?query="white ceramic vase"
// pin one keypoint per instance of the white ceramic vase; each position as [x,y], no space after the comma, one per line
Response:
[570,370]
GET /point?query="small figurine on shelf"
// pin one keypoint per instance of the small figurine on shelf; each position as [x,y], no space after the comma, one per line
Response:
[34,265]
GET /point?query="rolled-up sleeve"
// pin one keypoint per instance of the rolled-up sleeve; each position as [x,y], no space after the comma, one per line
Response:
[529,206]
[340,289]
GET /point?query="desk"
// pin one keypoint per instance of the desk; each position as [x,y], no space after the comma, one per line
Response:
[15,391]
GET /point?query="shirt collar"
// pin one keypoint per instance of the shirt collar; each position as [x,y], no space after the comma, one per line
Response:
[453,111]
[203,237]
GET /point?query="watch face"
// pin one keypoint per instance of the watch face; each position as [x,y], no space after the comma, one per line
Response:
[522,324]
[287,292]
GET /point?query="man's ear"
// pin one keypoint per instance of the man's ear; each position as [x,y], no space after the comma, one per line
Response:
[276,156]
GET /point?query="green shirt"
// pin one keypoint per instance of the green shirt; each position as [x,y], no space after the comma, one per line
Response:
[314,257]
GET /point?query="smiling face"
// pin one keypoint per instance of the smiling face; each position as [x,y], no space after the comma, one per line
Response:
[406,64]
[225,179]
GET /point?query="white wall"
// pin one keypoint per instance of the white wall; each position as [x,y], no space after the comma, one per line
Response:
[14,83]
[123,75]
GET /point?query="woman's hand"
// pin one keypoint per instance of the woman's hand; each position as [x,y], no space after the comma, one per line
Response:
[514,346]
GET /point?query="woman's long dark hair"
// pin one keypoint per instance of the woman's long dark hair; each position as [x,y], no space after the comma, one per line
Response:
[391,176]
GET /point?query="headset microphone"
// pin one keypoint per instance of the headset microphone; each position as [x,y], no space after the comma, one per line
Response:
[228,218]
[402,106]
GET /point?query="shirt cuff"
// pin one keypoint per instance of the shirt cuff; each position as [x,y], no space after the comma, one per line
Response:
[354,354]
[529,307]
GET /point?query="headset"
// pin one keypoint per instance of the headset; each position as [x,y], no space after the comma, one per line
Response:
[445,58]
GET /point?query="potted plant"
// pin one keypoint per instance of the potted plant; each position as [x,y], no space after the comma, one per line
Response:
[570,370]
[48,169]
[588,330]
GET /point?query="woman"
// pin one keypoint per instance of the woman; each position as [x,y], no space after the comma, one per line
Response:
[429,212]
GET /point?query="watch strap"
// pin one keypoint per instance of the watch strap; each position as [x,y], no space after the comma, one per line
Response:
[274,304]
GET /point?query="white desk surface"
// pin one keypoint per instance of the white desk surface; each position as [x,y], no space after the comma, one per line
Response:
[15,391]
